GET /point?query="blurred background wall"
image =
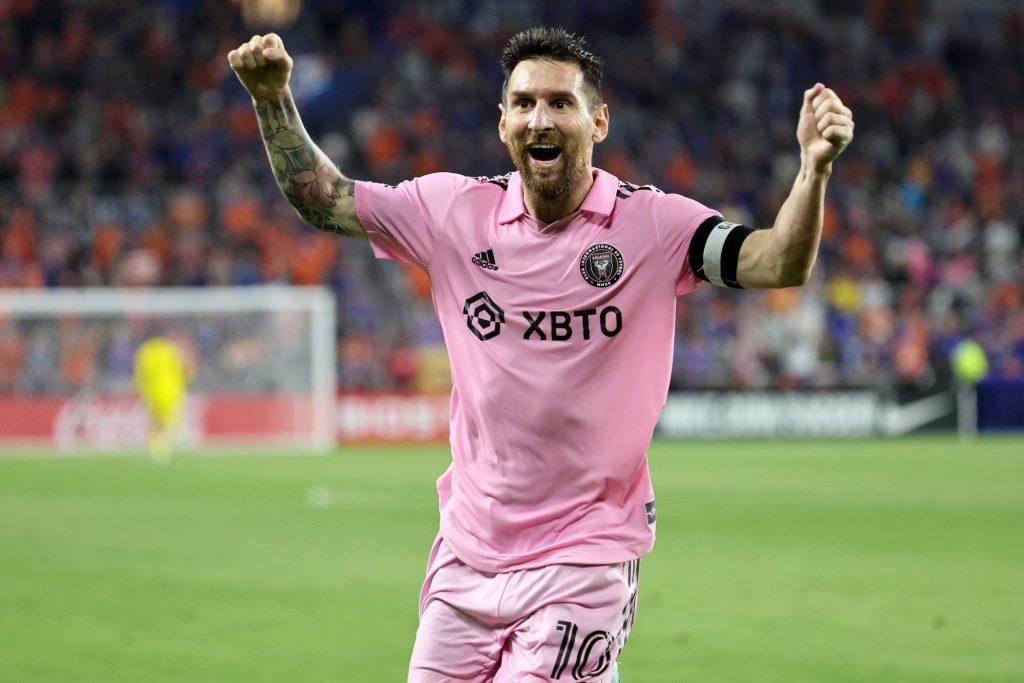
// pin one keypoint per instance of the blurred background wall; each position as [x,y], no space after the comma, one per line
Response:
[130,156]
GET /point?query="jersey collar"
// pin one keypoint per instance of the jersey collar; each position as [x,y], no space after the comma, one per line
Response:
[600,200]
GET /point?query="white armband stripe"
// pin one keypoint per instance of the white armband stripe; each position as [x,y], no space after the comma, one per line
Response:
[713,252]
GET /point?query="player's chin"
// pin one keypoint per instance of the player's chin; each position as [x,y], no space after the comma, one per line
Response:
[549,185]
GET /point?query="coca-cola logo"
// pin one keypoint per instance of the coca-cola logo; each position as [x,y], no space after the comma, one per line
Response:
[90,422]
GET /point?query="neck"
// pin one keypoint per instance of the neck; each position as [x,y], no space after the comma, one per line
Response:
[550,210]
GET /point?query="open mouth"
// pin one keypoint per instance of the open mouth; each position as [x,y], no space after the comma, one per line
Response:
[544,153]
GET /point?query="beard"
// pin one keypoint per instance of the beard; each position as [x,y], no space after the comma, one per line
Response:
[549,183]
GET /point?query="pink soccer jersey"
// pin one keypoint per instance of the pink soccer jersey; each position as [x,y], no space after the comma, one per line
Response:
[560,337]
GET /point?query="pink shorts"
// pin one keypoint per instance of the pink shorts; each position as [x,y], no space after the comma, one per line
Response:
[557,623]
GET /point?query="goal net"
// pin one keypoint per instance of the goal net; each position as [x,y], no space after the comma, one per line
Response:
[263,361]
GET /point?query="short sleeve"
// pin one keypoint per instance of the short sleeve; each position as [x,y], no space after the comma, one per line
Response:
[403,221]
[676,220]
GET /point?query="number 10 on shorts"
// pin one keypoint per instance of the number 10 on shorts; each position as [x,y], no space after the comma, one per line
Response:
[594,642]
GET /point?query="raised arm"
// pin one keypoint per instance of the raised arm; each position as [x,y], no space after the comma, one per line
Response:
[731,255]
[311,183]
[784,255]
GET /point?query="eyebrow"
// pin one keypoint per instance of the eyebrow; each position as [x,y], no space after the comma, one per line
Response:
[557,95]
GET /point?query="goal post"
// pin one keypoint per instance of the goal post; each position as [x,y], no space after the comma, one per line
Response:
[263,358]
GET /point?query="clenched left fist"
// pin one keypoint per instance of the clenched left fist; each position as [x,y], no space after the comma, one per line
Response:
[825,127]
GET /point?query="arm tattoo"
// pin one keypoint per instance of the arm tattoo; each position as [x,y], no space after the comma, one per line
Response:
[315,188]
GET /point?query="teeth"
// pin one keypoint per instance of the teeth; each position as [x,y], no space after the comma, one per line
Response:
[543,146]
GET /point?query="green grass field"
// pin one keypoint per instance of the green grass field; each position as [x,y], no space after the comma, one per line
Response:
[895,561]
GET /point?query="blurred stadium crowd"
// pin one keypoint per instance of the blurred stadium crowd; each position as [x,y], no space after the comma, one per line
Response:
[130,156]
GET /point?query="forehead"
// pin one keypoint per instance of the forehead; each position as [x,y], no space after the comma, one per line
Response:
[538,76]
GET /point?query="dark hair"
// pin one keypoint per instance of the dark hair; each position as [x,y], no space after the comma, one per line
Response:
[558,45]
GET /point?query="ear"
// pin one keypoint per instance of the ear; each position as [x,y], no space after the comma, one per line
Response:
[600,118]
[501,123]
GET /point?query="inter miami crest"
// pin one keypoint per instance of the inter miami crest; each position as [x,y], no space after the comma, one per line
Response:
[601,265]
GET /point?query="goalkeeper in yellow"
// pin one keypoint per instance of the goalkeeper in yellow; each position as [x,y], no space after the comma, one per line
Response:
[162,373]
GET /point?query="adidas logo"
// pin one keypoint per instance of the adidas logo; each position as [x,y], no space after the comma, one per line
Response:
[485,259]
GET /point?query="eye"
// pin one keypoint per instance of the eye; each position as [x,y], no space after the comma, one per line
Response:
[522,103]
[562,104]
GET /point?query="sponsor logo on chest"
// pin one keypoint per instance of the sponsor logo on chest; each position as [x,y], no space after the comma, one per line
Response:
[485,318]
[601,265]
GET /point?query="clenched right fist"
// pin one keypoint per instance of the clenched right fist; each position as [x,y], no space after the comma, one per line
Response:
[263,66]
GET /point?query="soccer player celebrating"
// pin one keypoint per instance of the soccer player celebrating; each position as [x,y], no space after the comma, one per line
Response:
[556,288]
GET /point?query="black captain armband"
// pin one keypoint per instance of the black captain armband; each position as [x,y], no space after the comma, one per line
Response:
[715,251]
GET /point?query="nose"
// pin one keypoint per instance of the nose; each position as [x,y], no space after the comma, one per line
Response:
[540,119]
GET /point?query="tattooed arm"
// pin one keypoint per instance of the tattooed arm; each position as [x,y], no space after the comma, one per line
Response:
[314,186]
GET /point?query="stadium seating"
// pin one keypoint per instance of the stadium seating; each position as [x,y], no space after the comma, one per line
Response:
[130,156]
